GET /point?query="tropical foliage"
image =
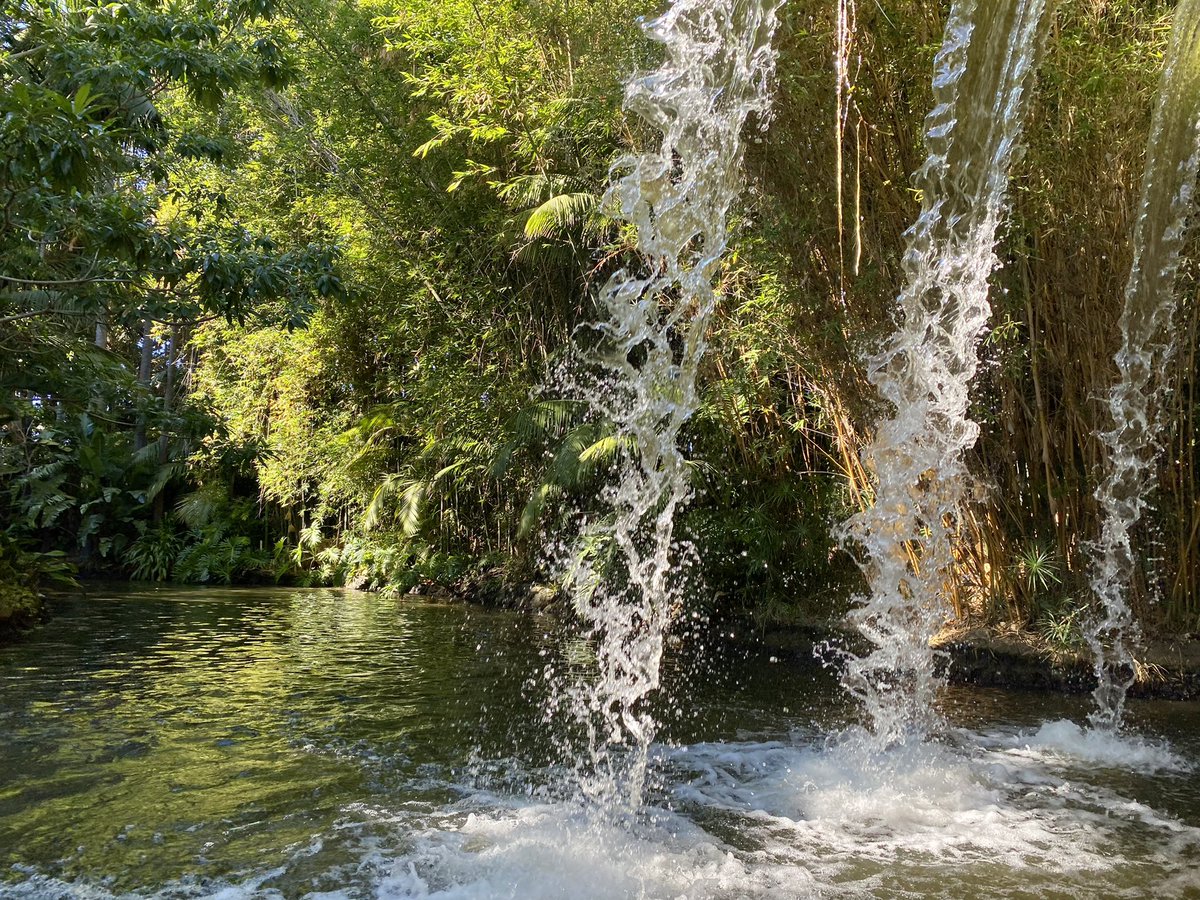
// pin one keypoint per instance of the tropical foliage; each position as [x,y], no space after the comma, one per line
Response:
[283,282]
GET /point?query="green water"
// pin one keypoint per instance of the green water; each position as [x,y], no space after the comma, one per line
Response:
[286,743]
[159,733]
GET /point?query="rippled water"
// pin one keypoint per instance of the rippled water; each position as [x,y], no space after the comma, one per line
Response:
[284,743]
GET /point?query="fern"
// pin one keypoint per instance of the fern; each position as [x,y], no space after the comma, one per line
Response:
[198,508]
[152,555]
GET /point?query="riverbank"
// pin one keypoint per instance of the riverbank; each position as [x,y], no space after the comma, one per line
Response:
[20,607]
[1165,668]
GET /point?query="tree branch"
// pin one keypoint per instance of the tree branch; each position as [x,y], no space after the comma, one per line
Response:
[47,282]
[41,312]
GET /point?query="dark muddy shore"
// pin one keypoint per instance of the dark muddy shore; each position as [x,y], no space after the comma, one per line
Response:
[1166,668]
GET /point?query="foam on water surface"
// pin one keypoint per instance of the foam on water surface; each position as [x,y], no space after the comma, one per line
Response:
[1064,742]
[807,815]
[559,851]
[965,815]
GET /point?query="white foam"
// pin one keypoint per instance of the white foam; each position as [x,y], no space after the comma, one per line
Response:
[924,801]
[911,812]
[1063,741]
[45,887]
[555,851]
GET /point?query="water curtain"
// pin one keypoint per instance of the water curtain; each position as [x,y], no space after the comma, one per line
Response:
[981,84]
[647,346]
[1132,444]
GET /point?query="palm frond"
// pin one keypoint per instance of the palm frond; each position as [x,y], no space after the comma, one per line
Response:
[524,191]
[391,486]
[605,450]
[534,423]
[163,477]
[412,505]
[560,213]
[197,508]
[532,514]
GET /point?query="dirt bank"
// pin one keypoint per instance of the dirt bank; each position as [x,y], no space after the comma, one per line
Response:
[1165,668]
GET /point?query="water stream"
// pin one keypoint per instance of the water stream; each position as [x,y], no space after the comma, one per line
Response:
[982,78]
[1147,343]
[639,375]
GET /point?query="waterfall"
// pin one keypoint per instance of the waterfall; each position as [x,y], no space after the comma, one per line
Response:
[1172,158]
[640,373]
[981,85]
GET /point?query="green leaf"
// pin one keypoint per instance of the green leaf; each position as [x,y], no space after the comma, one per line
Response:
[80,101]
[560,213]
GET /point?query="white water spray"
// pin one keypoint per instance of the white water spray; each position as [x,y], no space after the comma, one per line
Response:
[980,86]
[641,374]
[1172,158]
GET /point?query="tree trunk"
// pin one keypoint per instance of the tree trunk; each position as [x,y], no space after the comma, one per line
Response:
[139,435]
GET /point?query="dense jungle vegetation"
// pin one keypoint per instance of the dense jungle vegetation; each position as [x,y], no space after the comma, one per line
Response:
[281,280]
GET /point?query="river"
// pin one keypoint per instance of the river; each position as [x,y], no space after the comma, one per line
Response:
[313,743]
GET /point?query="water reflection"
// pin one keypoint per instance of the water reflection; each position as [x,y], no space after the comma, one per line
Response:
[153,734]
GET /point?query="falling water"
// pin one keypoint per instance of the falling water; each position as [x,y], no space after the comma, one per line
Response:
[718,62]
[980,86]
[1172,158]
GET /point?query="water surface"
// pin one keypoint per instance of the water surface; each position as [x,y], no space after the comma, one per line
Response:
[292,743]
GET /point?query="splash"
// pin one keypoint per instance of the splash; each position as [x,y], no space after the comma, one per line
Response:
[640,373]
[1172,158]
[1063,741]
[980,87]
